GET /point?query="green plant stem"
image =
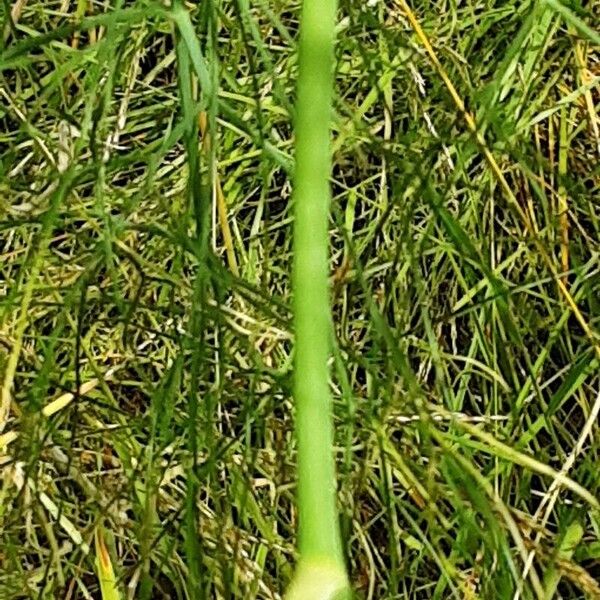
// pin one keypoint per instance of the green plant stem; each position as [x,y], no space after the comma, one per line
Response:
[319,537]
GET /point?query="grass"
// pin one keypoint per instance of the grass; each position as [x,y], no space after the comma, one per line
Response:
[147,329]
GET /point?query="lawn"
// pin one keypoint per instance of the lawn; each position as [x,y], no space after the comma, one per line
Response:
[203,303]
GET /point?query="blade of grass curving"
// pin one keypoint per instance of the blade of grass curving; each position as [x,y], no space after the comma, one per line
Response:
[572,19]
[126,15]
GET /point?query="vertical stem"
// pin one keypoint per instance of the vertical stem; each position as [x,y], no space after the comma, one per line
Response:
[563,207]
[319,537]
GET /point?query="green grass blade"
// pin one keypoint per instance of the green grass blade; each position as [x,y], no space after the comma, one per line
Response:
[109,589]
[572,19]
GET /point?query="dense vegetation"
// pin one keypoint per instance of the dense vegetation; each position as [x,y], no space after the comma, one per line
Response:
[147,444]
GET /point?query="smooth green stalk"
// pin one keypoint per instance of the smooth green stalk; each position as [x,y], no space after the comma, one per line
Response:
[321,572]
